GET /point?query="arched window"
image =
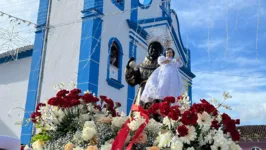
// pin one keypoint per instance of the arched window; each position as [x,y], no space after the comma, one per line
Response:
[114,55]
[255,148]
[145,3]
[114,66]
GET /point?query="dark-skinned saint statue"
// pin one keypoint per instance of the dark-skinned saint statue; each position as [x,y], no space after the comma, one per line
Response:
[138,75]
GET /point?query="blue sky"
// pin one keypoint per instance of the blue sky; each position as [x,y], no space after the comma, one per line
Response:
[239,68]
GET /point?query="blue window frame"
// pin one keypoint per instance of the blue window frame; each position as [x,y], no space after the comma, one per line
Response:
[114,64]
[119,4]
[145,4]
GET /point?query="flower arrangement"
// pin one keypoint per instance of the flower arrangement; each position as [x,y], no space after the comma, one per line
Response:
[75,121]
[72,120]
[199,126]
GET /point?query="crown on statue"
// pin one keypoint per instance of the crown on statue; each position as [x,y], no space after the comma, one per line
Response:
[163,38]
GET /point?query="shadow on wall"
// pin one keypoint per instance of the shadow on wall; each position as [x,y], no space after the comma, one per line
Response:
[5,130]
[15,71]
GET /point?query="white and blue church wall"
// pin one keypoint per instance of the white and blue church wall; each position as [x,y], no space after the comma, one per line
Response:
[63,44]
[81,37]
[14,77]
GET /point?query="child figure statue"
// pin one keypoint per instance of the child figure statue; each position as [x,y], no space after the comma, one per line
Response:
[165,80]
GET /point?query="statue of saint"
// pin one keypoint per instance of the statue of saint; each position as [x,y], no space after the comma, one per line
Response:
[139,74]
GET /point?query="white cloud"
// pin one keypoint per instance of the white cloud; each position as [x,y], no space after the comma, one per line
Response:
[204,13]
[248,93]
[212,43]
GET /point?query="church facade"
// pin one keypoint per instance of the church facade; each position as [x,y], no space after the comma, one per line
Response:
[90,41]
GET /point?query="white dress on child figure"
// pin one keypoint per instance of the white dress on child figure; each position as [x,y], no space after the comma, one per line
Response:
[164,81]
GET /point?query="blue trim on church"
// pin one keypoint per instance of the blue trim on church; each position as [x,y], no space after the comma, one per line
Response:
[120,5]
[132,48]
[116,83]
[89,57]
[138,29]
[146,4]
[26,132]
[20,55]
[131,90]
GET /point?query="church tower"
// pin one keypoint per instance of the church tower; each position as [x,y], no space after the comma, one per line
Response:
[90,41]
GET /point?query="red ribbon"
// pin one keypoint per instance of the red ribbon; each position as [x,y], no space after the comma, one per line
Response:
[123,133]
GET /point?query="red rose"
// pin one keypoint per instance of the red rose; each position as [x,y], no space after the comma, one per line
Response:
[87,97]
[173,116]
[189,118]
[204,101]
[209,108]
[75,91]
[39,106]
[225,118]
[113,112]
[22,147]
[174,113]
[215,124]
[197,108]
[235,135]
[182,130]
[179,97]
[53,101]
[230,126]
[62,93]
[169,99]
[237,121]
[98,107]
[154,108]
[103,97]
[34,115]
[164,108]
[110,103]
[74,102]
[117,104]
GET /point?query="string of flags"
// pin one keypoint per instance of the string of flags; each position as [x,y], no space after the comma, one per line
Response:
[16,19]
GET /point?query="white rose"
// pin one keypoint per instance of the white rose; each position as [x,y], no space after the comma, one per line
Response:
[38,145]
[106,146]
[176,144]
[165,140]
[119,121]
[90,124]
[88,133]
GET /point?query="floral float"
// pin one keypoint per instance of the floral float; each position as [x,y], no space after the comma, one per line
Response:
[75,121]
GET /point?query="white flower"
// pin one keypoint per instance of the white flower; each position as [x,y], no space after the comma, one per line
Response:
[207,138]
[204,120]
[169,122]
[78,137]
[38,145]
[176,144]
[88,133]
[164,139]
[119,121]
[106,146]
[191,136]
[27,148]
[190,148]
[153,126]
[234,146]
[220,142]
[219,146]
[90,124]
[137,121]
[78,148]
[84,117]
